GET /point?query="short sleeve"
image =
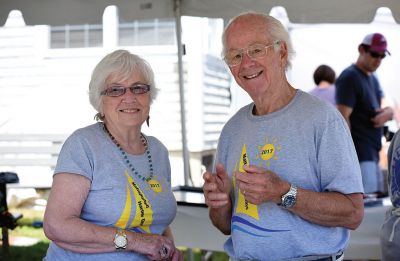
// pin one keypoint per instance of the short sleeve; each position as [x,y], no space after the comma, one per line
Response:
[75,157]
[338,160]
[346,90]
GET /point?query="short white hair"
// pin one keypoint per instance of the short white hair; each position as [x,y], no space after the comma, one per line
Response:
[118,63]
[275,30]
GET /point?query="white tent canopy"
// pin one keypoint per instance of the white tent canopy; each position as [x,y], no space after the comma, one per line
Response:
[60,12]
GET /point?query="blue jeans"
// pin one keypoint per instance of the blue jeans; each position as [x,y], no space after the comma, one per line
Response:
[372,176]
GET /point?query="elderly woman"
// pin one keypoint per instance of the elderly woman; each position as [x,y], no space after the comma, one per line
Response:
[111,196]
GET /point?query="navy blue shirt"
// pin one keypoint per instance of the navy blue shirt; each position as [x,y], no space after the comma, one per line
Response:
[363,93]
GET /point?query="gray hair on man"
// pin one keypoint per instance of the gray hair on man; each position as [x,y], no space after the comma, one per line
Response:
[275,30]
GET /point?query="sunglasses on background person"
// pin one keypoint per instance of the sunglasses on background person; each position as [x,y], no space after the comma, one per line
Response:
[118,90]
[376,55]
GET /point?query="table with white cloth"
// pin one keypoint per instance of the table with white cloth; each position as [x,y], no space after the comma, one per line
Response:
[192,227]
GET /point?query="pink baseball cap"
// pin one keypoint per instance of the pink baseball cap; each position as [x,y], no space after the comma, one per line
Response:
[376,42]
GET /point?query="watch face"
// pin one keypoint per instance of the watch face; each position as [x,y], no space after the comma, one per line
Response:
[289,201]
[120,241]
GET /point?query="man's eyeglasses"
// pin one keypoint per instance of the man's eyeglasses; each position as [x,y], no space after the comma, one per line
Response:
[117,90]
[376,55]
[254,51]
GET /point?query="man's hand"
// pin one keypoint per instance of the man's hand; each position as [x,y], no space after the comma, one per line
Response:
[259,185]
[217,187]
[382,116]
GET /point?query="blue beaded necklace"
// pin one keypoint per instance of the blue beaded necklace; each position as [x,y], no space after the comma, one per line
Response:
[126,159]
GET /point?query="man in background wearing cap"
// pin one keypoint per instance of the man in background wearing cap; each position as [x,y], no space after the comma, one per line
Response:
[359,98]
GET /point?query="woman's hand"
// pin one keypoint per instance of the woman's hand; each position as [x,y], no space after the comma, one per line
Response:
[176,255]
[156,247]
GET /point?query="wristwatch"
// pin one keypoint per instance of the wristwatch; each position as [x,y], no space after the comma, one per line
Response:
[289,199]
[120,239]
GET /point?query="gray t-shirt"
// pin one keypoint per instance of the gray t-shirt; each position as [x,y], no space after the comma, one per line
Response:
[117,197]
[306,143]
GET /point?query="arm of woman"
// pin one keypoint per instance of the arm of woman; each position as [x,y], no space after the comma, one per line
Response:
[63,225]
[168,233]
[62,222]
[175,253]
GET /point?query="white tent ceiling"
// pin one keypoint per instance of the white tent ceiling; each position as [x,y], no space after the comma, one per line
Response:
[60,12]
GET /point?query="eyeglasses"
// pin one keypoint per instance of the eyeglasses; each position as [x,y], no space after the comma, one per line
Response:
[254,51]
[117,90]
[376,55]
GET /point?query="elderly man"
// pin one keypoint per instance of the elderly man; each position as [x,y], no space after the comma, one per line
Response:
[287,184]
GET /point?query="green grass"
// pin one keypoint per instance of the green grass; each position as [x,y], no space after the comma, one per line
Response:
[197,255]
[32,253]
[28,231]
[22,253]
[35,252]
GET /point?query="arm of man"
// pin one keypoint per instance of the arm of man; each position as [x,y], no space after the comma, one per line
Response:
[331,209]
[383,115]
[221,218]
[345,111]
[216,192]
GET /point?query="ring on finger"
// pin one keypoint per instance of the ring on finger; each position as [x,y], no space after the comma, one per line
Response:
[163,251]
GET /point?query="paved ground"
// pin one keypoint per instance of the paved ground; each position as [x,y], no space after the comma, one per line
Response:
[22,241]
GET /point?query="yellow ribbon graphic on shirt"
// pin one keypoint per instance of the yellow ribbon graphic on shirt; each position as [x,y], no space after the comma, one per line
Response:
[123,220]
[243,206]
[144,212]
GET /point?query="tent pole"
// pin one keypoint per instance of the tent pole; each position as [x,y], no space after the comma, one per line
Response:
[185,153]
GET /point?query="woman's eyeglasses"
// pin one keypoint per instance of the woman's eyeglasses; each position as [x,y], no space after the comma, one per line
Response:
[117,90]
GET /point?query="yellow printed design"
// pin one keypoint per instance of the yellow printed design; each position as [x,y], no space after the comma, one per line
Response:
[123,220]
[243,206]
[155,185]
[144,212]
[268,151]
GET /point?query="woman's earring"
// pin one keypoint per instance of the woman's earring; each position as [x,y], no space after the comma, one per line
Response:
[148,121]
[99,117]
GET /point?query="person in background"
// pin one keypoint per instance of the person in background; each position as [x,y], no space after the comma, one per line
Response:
[111,196]
[279,189]
[324,78]
[359,99]
[390,231]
